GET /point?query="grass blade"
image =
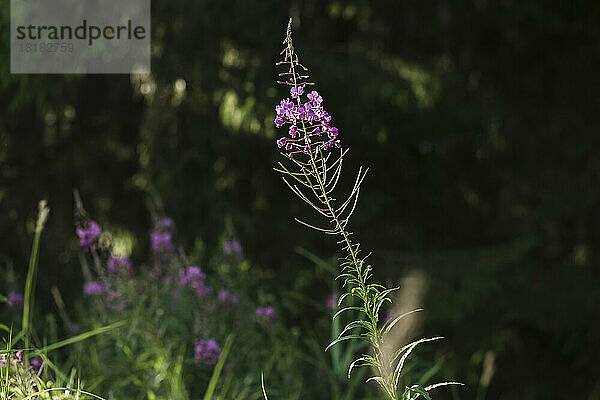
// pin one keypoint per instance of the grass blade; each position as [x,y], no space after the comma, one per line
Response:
[217,371]
[79,337]
[262,384]
[32,272]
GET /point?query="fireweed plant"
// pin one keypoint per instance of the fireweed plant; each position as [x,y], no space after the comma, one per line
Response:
[314,156]
[187,326]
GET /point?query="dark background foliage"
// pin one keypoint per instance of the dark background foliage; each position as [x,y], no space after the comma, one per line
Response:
[477,118]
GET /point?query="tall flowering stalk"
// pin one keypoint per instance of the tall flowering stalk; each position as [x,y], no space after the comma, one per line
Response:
[313,163]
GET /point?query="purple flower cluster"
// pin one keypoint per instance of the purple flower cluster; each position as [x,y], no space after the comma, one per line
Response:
[15,299]
[195,279]
[162,237]
[266,313]
[310,130]
[162,242]
[207,351]
[89,235]
[119,265]
[226,298]
[232,247]
[93,288]
[18,359]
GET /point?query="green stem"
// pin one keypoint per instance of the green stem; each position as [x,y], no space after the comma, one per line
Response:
[31,278]
[29,289]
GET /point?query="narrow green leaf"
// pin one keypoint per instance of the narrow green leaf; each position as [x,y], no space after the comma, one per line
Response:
[346,309]
[420,392]
[409,348]
[31,275]
[387,327]
[336,341]
[79,337]
[360,362]
[262,384]
[437,385]
[342,297]
[212,384]
[381,383]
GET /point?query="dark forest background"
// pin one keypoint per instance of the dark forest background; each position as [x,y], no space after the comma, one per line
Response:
[478,120]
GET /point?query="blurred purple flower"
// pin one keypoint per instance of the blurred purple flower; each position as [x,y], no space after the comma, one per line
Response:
[195,279]
[93,288]
[192,276]
[36,363]
[119,265]
[162,242]
[165,224]
[266,313]
[2,360]
[207,351]
[331,301]
[113,294]
[227,298]
[232,246]
[203,290]
[15,299]
[89,235]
